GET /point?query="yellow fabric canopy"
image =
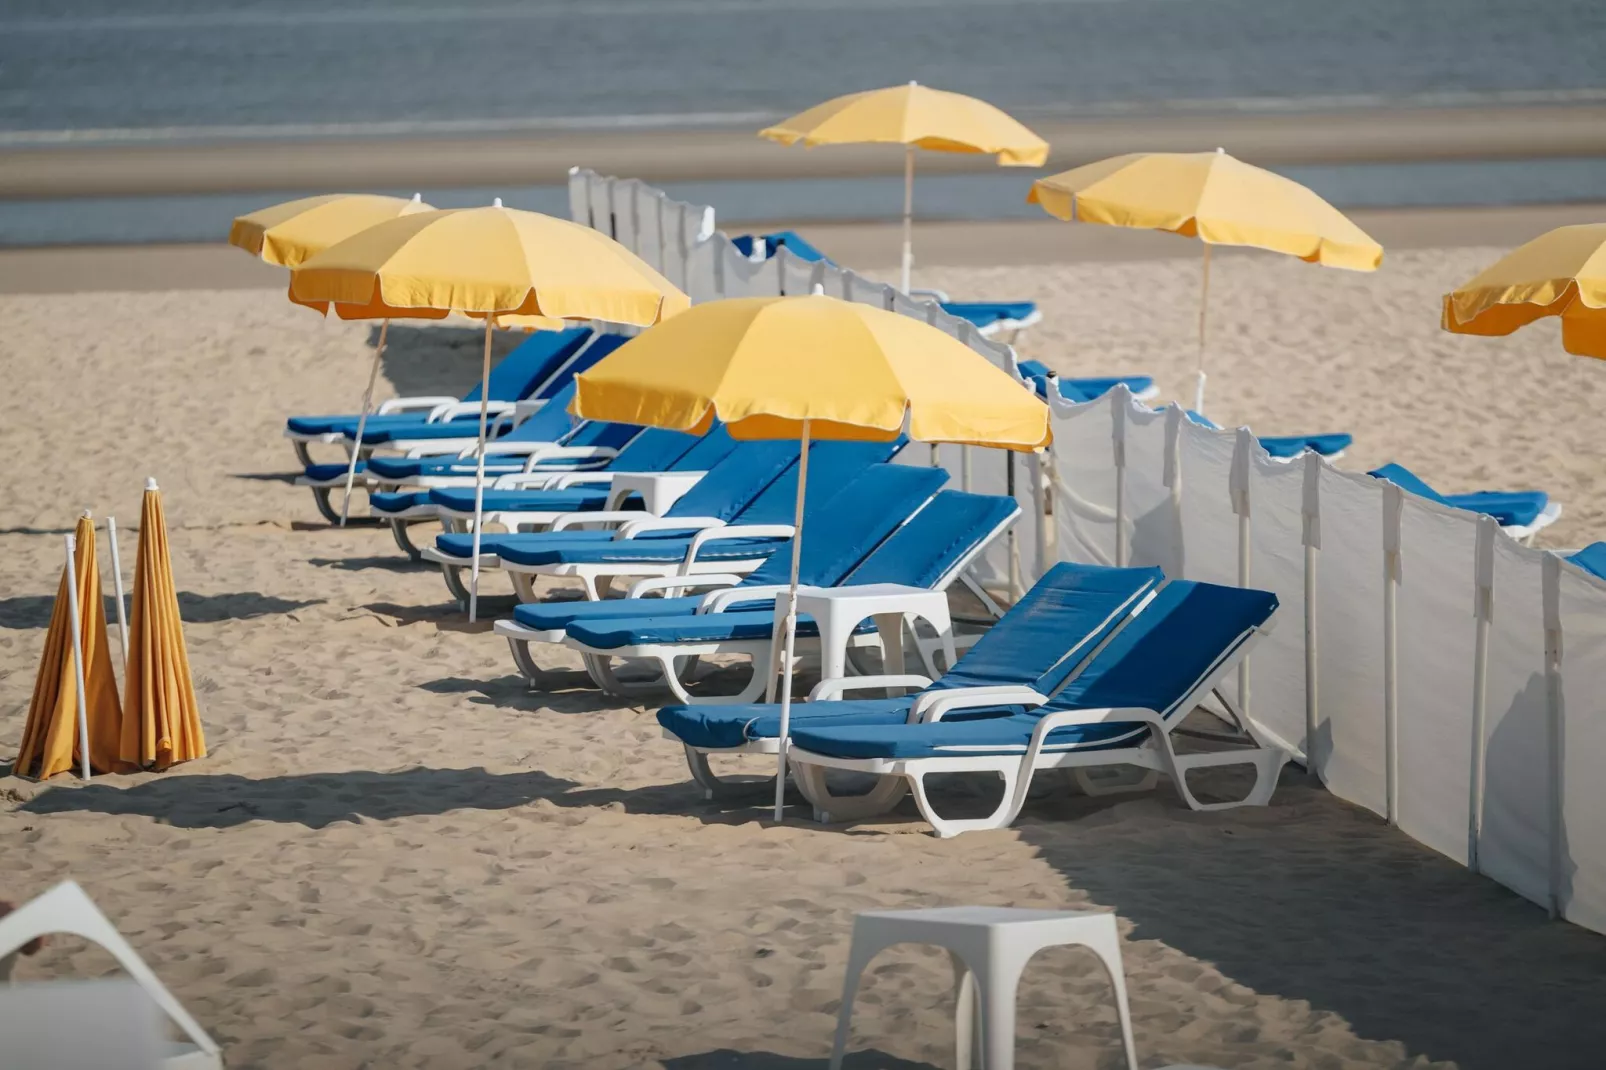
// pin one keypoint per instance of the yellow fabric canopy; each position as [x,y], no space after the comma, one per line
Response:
[1561,273]
[1212,196]
[480,261]
[50,742]
[914,115]
[162,725]
[764,365]
[287,234]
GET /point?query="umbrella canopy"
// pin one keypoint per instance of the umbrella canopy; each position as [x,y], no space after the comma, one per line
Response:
[51,739]
[810,367]
[1561,273]
[1213,197]
[498,264]
[163,723]
[916,116]
[287,234]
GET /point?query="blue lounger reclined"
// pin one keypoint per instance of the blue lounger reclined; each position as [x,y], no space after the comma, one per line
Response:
[1284,447]
[1085,388]
[1122,708]
[1520,513]
[729,522]
[1592,559]
[1038,643]
[928,552]
[532,366]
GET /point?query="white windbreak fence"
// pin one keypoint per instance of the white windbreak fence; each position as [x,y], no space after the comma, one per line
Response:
[1430,668]
[1375,679]
[679,240]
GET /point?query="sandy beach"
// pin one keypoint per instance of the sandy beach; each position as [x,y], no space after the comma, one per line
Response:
[397,856]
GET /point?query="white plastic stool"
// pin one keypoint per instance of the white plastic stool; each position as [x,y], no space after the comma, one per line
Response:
[989,948]
[837,612]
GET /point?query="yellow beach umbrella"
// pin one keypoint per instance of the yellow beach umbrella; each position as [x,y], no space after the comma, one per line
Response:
[915,116]
[75,685]
[1213,197]
[287,234]
[1561,273]
[807,368]
[162,725]
[498,264]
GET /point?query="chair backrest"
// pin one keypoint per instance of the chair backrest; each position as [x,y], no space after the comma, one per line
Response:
[936,542]
[831,465]
[736,479]
[1165,653]
[1054,626]
[550,423]
[654,449]
[601,345]
[1408,481]
[707,451]
[851,522]
[1592,559]
[531,364]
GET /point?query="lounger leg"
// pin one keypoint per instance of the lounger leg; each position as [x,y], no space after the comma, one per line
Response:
[522,657]
[967,1014]
[880,799]
[523,586]
[303,455]
[320,497]
[398,531]
[717,787]
[1113,780]
[1268,763]
[1001,817]
[453,575]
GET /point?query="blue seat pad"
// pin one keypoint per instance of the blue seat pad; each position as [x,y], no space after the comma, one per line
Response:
[1294,445]
[571,500]
[971,733]
[731,726]
[397,501]
[697,628]
[412,467]
[640,550]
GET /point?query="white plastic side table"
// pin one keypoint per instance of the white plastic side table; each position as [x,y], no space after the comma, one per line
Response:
[659,490]
[838,610]
[989,948]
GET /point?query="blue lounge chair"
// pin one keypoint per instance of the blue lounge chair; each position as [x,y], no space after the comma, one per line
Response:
[1592,559]
[1120,709]
[928,552]
[1520,513]
[1084,389]
[1038,644]
[1284,447]
[697,534]
[531,366]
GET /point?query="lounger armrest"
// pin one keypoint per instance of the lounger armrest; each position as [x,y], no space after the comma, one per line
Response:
[1067,718]
[647,522]
[391,405]
[719,601]
[584,454]
[568,479]
[920,293]
[456,408]
[933,705]
[735,531]
[674,585]
[834,687]
[538,480]
[600,516]
[437,449]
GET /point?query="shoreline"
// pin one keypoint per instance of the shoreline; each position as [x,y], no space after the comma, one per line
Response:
[1397,135]
[866,246]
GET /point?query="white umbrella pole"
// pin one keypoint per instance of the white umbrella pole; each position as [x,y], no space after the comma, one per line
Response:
[791,626]
[78,655]
[362,421]
[479,476]
[1204,305]
[117,586]
[908,214]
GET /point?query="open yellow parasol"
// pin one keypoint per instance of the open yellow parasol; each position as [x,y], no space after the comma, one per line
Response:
[287,234]
[805,368]
[1213,197]
[916,116]
[162,722]
[1561,273]
[75,686]
[502,265]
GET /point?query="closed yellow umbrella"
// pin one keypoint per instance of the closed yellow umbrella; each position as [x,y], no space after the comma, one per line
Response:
[287,234]
[915,116]
[498,264]
[1561,273]
[75,687]
[1213,197]
[162,723]
[807,368]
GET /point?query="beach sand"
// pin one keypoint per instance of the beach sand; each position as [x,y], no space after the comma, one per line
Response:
[397,856]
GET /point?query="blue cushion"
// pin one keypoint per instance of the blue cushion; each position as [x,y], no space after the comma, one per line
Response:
[640,550]
[923,551]
[976,733]
[732,726]
[610,634]
[572,500]
[517,545]
[1519,507]
[1591,559]
[400,468]
[552,616]
[987,313]
[1098,386]
[397,501]
[323,473]
[1294,445]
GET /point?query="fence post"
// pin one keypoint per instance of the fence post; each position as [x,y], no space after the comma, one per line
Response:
[1238,487]
[1311,536]
[1483,613]
[1393,506]
[1172,478]
[1120,401]
[1554,722]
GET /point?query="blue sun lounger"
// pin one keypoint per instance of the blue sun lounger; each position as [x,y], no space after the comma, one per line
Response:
[928,552]
[832,547]
[1038,644]
[1122,708]
[1330,445]
[1592,559]
[1520,513]
[1087,388]
[531,366]
[729,522]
